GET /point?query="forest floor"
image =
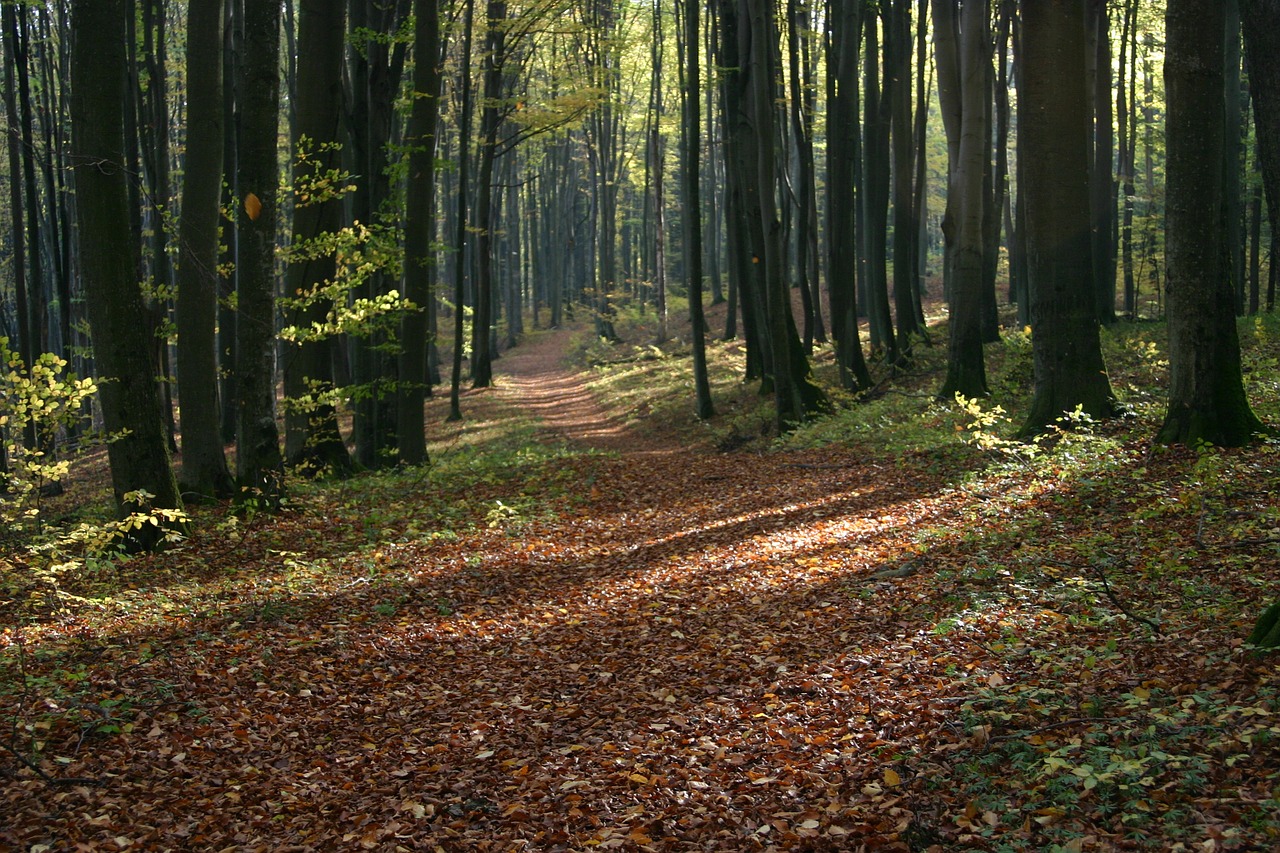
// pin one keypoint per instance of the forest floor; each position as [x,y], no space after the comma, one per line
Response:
[605,633]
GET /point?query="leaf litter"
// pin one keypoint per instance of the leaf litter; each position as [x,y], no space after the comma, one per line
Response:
[682,651]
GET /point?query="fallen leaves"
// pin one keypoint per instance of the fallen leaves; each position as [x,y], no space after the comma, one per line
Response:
[703,657]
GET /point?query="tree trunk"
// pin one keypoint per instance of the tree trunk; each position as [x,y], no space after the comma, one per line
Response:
[1261,24]
[1102,182]
[966,368]
[204,464]
[692,219]
[1207,402]
[490,119]
[1053,139]
[259,464]
[313,443]
[906,228]
[419,261]
[875,187]
[138,452]
[842,153]
[795,395]
[460,218]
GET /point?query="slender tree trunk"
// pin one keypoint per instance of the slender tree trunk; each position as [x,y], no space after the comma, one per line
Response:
[313,442]
[842,153]
[875,184]
[460,219]
[1261,24]
[259,464]
[419,266]
[906,228]
[966,368]
[490,118]
[692,219]
[204,465]
[1233,155]
[1102,183]
[232,40]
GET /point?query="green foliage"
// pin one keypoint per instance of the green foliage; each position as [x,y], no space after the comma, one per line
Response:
[40,403]
[37,403]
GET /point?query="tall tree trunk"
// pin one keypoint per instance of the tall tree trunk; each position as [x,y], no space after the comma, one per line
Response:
[1126,124]
[1261,24]
[795,395]
[657,155]
[490,119]
[375,62]
[906,228]
[875,187]
[28,344]
[1207,402]
[842,154]
[313,442]
[1053,138]
[204,465]
[604,128]
[138,453]
[1233,155]
[1102,181]
[232,42]
[460,219]
[419,261]
[966,368]
[259,464]
[690,151]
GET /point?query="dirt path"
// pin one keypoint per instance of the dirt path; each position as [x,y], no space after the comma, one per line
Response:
[533,378]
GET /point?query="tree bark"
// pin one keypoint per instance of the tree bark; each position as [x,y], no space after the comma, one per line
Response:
[1261,24]
[138,451]
[313,443]
[259,464]
[1053,137]
[1207,403]
[692,219]
[204,464]
[419,261]
[842,153]
[966,368]
[490,119]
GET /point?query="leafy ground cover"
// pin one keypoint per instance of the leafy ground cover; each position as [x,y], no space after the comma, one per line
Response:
[587,627]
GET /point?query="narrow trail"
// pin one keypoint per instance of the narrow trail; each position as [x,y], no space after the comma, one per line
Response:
[534,379]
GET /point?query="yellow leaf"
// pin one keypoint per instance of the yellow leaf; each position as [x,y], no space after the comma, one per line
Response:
[252,206]
[891,777]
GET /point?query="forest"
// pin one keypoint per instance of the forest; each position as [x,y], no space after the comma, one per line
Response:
[574,424]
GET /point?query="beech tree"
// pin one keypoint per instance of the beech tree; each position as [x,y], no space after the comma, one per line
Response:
[1053,139]
[312,439]
[692,219]
[419,261]
[1261,24]
[137,451]
[259,463]
[842,157]
[749,32]
[204,465]
[1207,403]
[961,47]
